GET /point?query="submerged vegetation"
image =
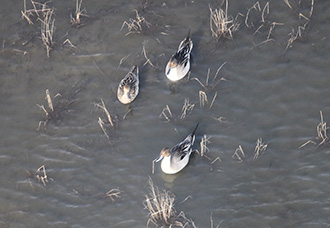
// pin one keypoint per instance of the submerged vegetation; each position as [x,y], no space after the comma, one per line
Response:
[61,102]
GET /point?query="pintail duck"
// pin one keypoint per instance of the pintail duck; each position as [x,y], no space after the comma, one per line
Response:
[179,64]
[128,87]
[177,158]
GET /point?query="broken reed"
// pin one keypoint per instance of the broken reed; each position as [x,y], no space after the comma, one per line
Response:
[209,86]
[203,145]
[148,61]
[298,32]
[203,100]
[113,193]
[136,25]
[41,175]
[51,113]
[186,109]
[239,153]
[103,123]
[322,133]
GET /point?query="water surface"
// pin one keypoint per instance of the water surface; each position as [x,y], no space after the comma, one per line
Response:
[267,92]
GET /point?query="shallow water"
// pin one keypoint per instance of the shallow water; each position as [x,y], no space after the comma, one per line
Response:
[266,92]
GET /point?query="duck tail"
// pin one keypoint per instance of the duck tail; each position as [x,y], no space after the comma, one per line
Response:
[135,70]
[193,133]
[188,35]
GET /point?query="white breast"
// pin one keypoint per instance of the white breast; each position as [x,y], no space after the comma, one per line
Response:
[171,168]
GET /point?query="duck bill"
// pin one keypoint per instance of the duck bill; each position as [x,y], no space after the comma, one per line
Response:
[159,158]
[128,95]
[168,71]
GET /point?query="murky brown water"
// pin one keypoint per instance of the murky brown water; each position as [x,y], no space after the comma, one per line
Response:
[267,93]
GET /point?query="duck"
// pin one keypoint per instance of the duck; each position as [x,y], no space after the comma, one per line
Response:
[179,64]
[128,87]
[175,159]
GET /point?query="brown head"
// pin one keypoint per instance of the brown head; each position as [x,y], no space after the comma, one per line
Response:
[173,63]
[165,152]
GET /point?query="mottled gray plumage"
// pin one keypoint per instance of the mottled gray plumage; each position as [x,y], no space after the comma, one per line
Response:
[128,87]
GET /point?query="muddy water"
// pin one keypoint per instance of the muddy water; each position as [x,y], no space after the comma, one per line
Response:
[266,92]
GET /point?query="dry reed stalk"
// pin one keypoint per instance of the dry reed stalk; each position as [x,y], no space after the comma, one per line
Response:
[203,145]
[128,112]
[216,159]
[202,98]
[239,154]
[39,10]
[106,112]
[148,61]
[136,25]
[265,10]
[49,100]
[186,108]
[25,14]
[322,133]
[166,113]
[211,220]
[49,114]
[288,4]
[272,27]
[312,9]
[210,86]
[221,119]
[183,222]
[123,59]
[47,31]
[322,130]
[101,122]
[257,7]
[67,41]
[212,102]
[160,205]
[41,175]
[113,193]
[294,35]
[75,17]
[102,125]
[221,24]
[260,147]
